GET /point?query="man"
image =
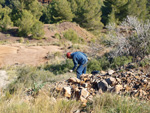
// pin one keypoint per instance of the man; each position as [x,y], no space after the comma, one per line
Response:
[78,58]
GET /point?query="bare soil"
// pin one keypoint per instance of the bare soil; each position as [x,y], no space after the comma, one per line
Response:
[12,52]
[21,54]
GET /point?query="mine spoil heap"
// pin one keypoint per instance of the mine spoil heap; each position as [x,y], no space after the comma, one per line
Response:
[133,82]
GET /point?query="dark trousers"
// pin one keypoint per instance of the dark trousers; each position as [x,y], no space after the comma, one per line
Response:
[81,70]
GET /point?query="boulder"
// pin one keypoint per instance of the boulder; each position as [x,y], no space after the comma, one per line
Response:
[67,91]
[110,80]
[102,85]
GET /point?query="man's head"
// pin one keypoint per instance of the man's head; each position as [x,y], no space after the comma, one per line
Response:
[69,55]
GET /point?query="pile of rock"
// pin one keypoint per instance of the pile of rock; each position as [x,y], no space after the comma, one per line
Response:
[133,82]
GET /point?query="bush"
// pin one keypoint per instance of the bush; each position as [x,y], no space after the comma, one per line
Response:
[28,25]
[37,30]
[120,61]
[72,36]
[25,23]
[5,20]
[57,36]
[60,68]
[112,103]
[135,41]
[30,77]
[104,63]
[145,62]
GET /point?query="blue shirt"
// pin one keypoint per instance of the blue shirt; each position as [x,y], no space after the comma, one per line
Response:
[79,58]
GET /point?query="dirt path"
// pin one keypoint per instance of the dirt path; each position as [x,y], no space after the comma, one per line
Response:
[22,54]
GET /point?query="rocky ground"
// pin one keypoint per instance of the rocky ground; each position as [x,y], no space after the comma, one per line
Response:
[130,81]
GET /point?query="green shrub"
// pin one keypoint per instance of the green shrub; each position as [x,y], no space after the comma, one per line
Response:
[30,77]
[60,68]
[29,26]
[72,36]
[120,61]
[57,36]
[21,40]
[37,30]
[5,20]
[144,62]
[94,65]
[111,103]
[25,23]
[104,63]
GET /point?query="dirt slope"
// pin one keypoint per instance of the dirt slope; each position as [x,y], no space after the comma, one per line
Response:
[21,54]
[12,52]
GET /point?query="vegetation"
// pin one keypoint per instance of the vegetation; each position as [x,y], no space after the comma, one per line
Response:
[111,103]
[90,14]
[127,34]
[72,36]
[5,20]
[135,42]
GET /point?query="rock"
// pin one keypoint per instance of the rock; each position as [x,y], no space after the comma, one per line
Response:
[67,92]
[102,85]
[77,111]
[132,81]
[83,100]
[103,72]
[110,80]
[85,85]
[84,93]
[110,72]
[74,80]
[118,88]
[131,66]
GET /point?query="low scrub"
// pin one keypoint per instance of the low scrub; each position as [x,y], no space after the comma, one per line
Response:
[111,103]
[60,68]
[72,36]
[104,63]
[30,77]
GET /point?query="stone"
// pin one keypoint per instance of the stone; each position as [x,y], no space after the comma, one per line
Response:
[67,92]
[84,93]
[110,80]
[83,100]
[102,85]
[74,80]
[118,88]
[110,72]
[103,72]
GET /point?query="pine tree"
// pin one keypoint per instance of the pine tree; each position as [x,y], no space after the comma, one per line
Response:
[5,20]
[18,5]
[148,8]
[92,15]
[46,14]
[87,13]
[2,2]
[61,11]
[137,8]
[114,11]
[30,26]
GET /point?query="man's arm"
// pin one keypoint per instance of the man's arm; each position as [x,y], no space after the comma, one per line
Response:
[84,54]
[75,63]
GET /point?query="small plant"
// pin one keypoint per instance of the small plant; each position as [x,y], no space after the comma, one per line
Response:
[21,40]
[61,68]
[57,36]
[57,54]
[52,27]
[145,62]
[72,36]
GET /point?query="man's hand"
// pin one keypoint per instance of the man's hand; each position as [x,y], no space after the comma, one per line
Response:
[88,58]
[70,71]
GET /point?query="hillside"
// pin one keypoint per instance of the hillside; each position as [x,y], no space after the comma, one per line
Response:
[33,52]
